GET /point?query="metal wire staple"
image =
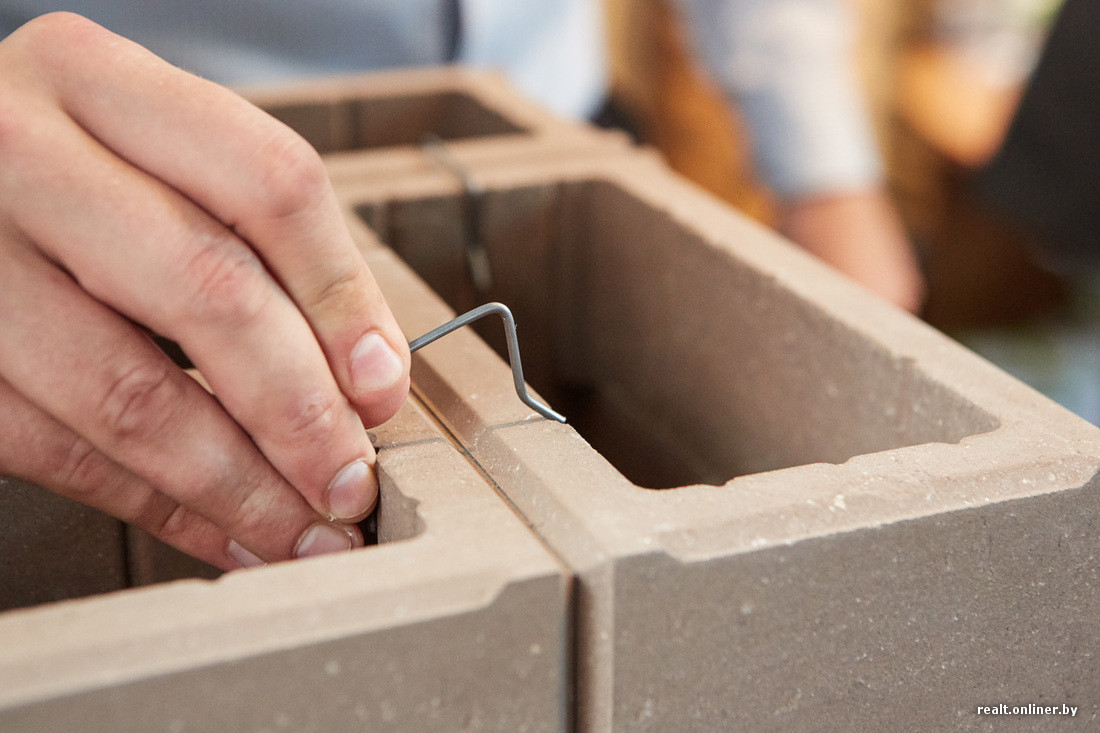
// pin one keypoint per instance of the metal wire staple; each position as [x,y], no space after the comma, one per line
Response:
[477,255]
[513,350]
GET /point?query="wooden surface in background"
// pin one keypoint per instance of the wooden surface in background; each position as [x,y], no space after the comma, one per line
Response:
[656,78]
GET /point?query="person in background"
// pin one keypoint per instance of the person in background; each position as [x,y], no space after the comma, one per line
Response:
[136,197]
[789,66]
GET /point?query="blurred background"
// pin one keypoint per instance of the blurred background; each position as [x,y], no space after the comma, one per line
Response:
[943,79]
[989,169]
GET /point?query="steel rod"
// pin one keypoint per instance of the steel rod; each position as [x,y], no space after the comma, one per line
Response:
[513,350]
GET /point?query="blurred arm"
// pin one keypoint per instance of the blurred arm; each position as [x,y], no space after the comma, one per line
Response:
[788,64]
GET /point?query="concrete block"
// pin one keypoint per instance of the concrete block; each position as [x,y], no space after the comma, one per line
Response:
[54,549]
[377,121]
[459,620]
[786,503]
[151,561]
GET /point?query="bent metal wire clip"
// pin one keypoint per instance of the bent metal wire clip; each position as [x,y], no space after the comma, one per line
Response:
[513,350]
[473,196]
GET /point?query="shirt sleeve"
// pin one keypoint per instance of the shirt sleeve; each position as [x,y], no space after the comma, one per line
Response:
[552,50]
[789,66]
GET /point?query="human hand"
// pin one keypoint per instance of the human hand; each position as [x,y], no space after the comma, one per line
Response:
[133,194]
[860,234]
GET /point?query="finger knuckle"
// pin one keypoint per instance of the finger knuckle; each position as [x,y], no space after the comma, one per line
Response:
[56,25]
[78,467]
[294,178]
[140,401]
[59,32]
[341,292]
[313,419]
[226,283]
[251,517]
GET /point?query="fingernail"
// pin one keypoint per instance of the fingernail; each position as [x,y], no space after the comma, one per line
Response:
[374,364]
[353,491]
[322,539]
[243,557]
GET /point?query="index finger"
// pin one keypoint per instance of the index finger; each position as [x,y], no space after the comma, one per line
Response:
[258,178]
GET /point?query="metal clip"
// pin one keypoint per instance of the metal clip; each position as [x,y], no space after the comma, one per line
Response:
[477,256]
[513,350]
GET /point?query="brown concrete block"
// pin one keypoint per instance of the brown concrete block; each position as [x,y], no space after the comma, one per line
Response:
[54,549]
[457,621]
[370,123]
[858,521]
[151,561]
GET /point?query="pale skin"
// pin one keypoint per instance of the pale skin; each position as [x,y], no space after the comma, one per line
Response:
[136,196]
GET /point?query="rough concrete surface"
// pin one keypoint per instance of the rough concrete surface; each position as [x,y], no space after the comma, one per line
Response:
[52,548]
[381,119]
[862,525]
[459,621]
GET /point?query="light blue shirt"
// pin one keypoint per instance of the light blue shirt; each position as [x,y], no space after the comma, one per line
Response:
[782,60]
[790,66]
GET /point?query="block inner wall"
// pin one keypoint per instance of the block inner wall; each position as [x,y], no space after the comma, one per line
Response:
[677,361]
[378,122]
